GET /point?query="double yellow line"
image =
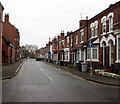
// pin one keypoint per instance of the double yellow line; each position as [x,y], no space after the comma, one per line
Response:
[88,80]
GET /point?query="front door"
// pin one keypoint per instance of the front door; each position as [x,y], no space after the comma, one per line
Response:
[111,53]
[105,60]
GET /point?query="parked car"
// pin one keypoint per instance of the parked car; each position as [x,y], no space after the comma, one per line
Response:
[38,59]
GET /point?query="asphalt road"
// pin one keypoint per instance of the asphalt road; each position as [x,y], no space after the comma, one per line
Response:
[39,82]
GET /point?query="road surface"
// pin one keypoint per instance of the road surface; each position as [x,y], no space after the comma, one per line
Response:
[39,82]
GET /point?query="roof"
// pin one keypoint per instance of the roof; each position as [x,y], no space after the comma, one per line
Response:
[1,6]
[8,42]
[111,6]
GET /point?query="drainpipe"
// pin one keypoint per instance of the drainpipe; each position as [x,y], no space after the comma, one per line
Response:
[85,53]
[87,26]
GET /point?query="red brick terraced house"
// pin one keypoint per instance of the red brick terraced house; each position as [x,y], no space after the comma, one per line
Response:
[96,42]
[42,53]
[1,26]
[61,45]
[54,50]
[10,42]
[48,51]
[67,48]
[78,44]
[103,32]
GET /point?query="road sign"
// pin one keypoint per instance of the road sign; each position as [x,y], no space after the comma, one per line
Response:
[89,44]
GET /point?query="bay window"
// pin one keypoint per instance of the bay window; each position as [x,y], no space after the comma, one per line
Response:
[88,53]
[82,55]
[66,55]
[92,53]
[118,49]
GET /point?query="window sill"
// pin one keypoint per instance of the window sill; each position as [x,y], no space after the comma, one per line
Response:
[88,60]
[94,37]
[82,42]
[66,60]
[93,60]
[103,34]
[110,32]
[117,61]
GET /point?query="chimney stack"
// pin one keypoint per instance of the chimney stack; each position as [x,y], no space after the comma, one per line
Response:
[7,17]
[68,32]
[111,5]
[86,17]
[83,22]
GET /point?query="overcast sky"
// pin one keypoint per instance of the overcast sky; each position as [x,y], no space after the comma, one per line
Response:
[37,20]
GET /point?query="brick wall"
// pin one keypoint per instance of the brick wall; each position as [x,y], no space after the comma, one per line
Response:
[12,37]
[1,20]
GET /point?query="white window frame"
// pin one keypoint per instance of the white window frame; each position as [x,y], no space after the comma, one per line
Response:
[78,55]
[66,55]
[81,55]
[96,28]
[110,18]
[88,50]
[92,30]
[91,54]
[117,48]
[95,47]
[103,21]
[76,39]
[63,44]
[82,35]
[71,40]
[67,40]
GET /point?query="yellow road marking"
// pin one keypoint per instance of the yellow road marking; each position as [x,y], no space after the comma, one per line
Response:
[88,80]
[73,76]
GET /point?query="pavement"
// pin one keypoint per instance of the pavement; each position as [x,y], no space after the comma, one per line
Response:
[86,75]
[8,71]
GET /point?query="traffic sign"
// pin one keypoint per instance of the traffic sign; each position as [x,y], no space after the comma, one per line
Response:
[89,44]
